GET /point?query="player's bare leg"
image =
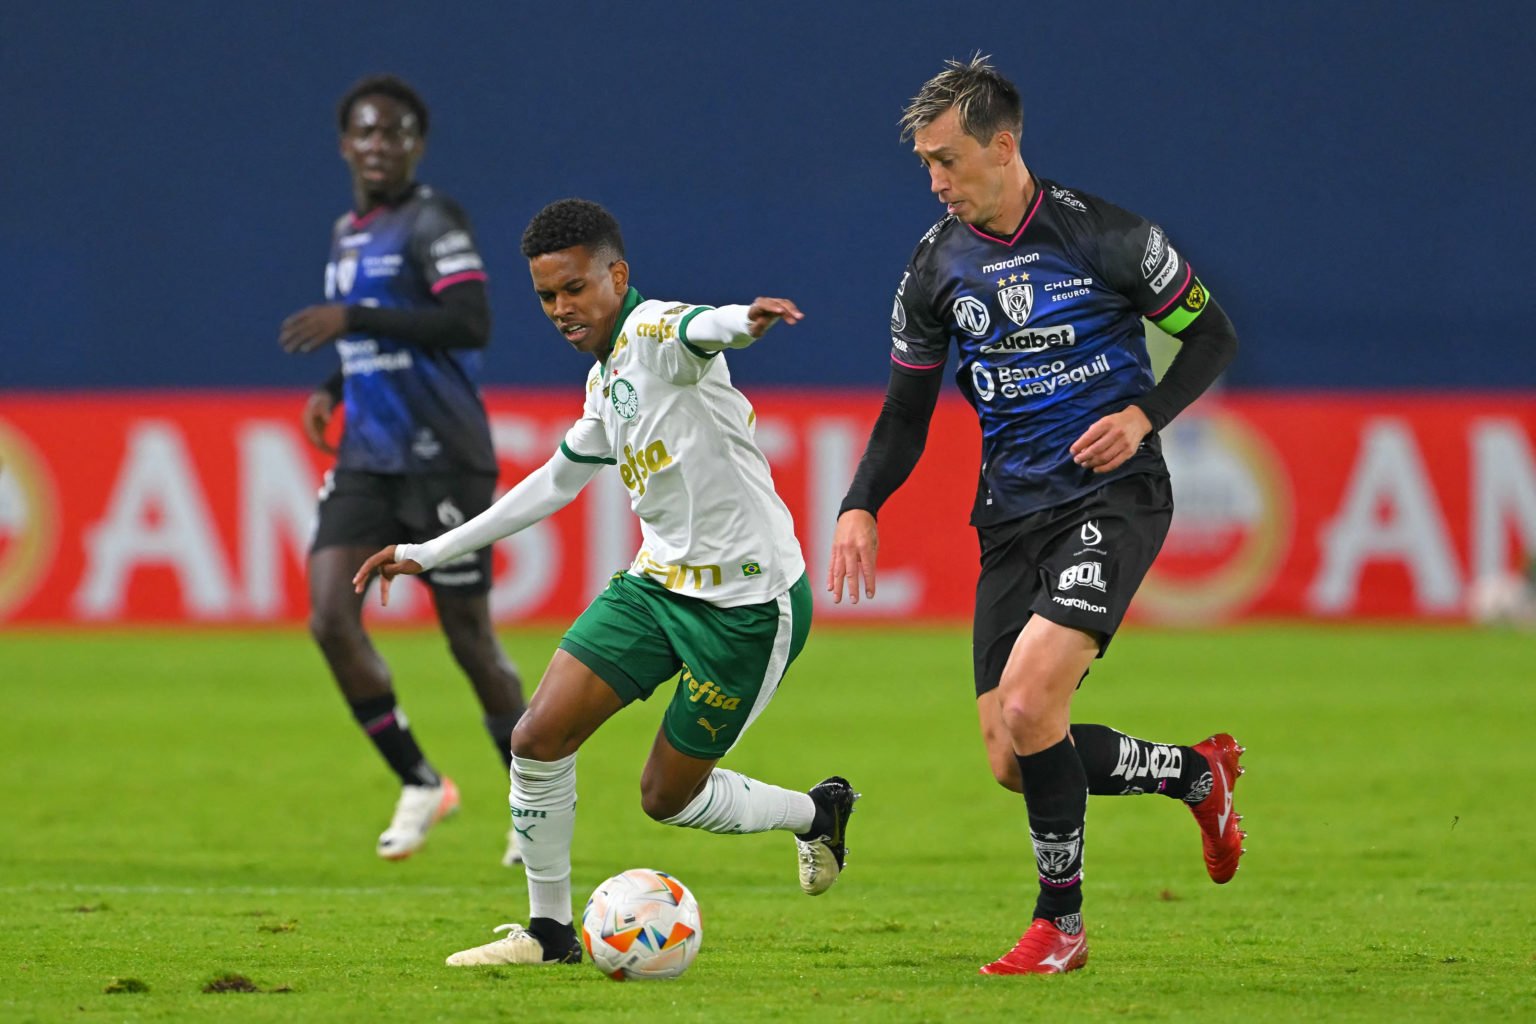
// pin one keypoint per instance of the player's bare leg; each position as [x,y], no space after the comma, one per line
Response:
[679,789]
[466,622]
[336,623]
[1034,700]
[569,705]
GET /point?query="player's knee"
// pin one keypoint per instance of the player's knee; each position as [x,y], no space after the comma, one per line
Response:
[1005,769]
[533,743]
[333,627]
[659,800]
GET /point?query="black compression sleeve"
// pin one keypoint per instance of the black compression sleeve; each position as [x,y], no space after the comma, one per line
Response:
[1206,346]
[896,443]
[462,321]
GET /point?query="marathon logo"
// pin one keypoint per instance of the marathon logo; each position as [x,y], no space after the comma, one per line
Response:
[1018,261]
[1034,339]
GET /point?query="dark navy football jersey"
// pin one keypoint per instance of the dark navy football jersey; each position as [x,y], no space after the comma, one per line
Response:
[1047,327]
[409,409]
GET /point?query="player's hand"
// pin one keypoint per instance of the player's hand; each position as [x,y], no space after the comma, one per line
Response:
[854,544]
[383,562]
[764,313]
[318,408]
[312,327]
[1109,442]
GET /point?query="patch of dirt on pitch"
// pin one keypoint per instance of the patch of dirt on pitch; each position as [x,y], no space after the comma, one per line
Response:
[231,983]
[125,986]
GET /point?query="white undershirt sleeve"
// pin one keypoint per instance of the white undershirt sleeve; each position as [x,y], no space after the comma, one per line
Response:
[722,327]
[541,493]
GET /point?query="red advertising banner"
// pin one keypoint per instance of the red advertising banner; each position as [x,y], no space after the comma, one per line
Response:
[197,507]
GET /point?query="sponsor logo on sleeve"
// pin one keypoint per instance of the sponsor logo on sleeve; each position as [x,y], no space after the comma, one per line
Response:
[898,315]
[1170,268]
[971,316]
[1153,254]
[452,242]
[1067,198]
[459,264]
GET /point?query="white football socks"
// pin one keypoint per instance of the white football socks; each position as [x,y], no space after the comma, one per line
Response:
[731,803]
[543,801]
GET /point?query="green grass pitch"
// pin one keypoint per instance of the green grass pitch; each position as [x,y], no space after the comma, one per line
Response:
[184,806]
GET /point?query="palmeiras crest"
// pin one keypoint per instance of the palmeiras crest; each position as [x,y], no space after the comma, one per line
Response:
[1017,300]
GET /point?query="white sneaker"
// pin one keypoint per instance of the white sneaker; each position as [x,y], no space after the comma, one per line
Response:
[511,858]
[418,809]
[516,947]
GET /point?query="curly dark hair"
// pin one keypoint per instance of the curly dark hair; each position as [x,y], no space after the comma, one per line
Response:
[571,222]
[382,85]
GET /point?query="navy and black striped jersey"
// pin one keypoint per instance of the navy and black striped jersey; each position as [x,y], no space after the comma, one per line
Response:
[409,409]
[1047,328]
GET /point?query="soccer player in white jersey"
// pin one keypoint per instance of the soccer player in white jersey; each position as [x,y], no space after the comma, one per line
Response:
[716,593]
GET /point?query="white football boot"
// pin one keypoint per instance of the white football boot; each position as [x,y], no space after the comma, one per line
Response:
[418,809]
[518,946]
[821,856]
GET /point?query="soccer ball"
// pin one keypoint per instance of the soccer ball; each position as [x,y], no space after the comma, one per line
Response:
[642,924]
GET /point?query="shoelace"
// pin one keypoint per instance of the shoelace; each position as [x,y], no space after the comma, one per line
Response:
[514,932]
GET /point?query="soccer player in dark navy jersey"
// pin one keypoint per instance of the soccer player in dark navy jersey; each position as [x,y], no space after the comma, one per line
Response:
[1040,289]
[406,309]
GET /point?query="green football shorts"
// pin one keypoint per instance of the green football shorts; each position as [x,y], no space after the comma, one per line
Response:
[637,634]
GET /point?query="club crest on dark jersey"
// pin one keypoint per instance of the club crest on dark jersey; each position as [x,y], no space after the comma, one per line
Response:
[1017,298]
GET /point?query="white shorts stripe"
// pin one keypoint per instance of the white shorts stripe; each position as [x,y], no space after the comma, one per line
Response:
[778,663]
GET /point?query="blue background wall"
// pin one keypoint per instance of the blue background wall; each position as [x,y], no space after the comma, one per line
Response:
[1353,181]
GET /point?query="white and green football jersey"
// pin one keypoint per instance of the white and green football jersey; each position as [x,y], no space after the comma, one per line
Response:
[664,412]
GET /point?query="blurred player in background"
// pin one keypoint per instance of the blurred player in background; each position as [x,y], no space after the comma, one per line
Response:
[717,592]
[406,309]
[1042,289]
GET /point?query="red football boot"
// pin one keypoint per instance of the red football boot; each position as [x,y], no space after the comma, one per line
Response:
[1043,949]
[1222,839]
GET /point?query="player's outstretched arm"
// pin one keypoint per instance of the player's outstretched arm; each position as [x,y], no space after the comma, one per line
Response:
[739,326]
[538,495]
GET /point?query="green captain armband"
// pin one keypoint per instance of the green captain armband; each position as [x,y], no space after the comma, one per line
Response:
[1182,313]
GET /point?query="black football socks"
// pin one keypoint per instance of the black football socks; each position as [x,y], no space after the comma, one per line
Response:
[1056,797]
[387,727]
[1118,765]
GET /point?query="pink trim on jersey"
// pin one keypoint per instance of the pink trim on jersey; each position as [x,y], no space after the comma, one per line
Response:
[453,279]
[915,366]
[1039,195]
[1188,273]
[362,221]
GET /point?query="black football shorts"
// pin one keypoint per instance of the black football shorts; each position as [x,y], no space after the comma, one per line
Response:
[371,510]
[1077,564]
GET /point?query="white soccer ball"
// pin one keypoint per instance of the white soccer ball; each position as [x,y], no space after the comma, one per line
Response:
[642,924]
